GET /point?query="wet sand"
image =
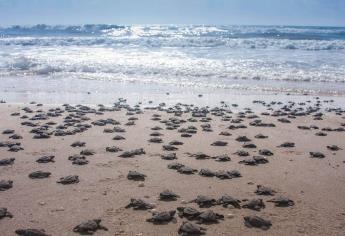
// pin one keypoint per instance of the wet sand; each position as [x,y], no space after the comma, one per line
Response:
[317,186]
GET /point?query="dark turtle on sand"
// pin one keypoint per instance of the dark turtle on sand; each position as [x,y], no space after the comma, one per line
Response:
[223,174]
[135,152]
[87,152]
[234,173]
[8,131]
[31,232]
[4,213]
[188,228]
[89,227]
[204,201]
[260,136]
[227,200]
[207,173]
[185,135]
[225,133]
[317,155]
[175,143]
[254,204]
[169,148]
[119,129]
[78,144]
[41,136]
[260,159]
[188,212]
[70,179]
[118,137]
[5,185]
[15,148]
[169,156]
[243,139]
[156,134]
[168,195]
[219,143]
[257,222]
[287,145]
[16,136]
[248,161]
[175,166]
[80,161]
[113,149]
[139,204]
[156,128]
[200,156]
[249,145]
[46,159]
[242,153]
[155,140]
[162,217]
[7,161]
[187,170]
[321,134]
[39,175]
[333,148]
[209,217]
[282,201]
[135,175]
[265,152]
[222,158]
[76,157]
[263,190]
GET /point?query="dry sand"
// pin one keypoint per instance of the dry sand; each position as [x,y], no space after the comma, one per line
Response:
[317,186]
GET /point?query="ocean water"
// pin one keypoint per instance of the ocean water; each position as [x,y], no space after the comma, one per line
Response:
[235,58]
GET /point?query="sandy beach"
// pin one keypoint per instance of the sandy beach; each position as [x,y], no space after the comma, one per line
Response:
[315,187]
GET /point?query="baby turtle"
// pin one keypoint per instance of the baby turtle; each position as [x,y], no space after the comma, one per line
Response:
[260,159]
[118,137]
[219,143]
[113,149]
[169,148]
[262,190]
[226,200]
[70,179]
[7,161]
[265,152]
[333,148]
[204,201]
[188,212]
[162,217]
[242,139]
[45,159]
[187,170]
[281,201]
[249,145]
[188,228]
[248,161]
[234,173]
[169,156]
[242,153]
[287,145]
[207,173]
[155,140]
[176,143]
[222,158]
[209,216]
[39,175]
[260,136]
[317,155]
[89,227]
[135,175]
[87,152]
[135,152]
[200,156]
[5,185]
[8,131]
[31,232]
[225,133]
[168,195]
[222,174]
[257,222]
[255,204]
[78,144]
[139,204]
[4,213]
[80,162]
[15,148]
[175,166]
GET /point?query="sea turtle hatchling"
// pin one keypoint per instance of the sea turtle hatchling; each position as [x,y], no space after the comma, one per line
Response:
[31,232]
[219,143]
[175,166]
[243,139]
[263,190]
[222,158]
[87,152]
[227,200]
[168,195]
[162,217]
[207,173]
[169,156]
[135,175]
[282,201]
[209,216]
[46,159]
[139,204]
[257,222]
[70,179]
[169,148]
[155,140]
[317,155]
[187,170]
[5,185]
[333,148]
[78,144]
[204,201]
[189,213]
[265,152]
[188,228]
[254,204]
[89,227]
[113,149]
[5,213]
[7,161]
[39,175]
